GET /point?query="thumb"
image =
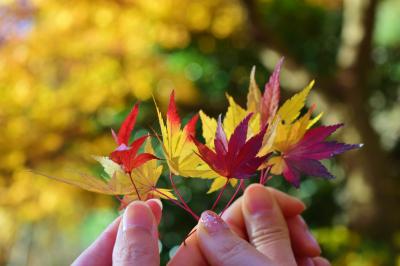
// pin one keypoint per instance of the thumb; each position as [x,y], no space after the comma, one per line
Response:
[137,242]
[220,246]
[266,226]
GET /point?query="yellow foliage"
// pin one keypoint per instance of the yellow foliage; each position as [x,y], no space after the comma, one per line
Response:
[80,62]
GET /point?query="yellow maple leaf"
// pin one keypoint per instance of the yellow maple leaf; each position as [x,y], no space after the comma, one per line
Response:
[254,94]
[290,110]
[208,126]
[117,184]
[235,114]
[178,147]
[219,182]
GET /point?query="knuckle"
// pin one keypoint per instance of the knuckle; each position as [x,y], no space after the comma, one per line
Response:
[130,253]
[230,251]
[265,236]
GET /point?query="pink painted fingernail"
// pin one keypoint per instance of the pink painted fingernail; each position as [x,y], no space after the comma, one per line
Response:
[212,223]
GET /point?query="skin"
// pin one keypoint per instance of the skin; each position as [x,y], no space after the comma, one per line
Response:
[263,227]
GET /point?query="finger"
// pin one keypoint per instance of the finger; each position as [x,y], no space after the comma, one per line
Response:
[319,261]
[290,206]
[233,216]
[305,262]
[188,252]
[303,242]
[266,226]
[136,242]
[223,247]
[99,253]
[156,208]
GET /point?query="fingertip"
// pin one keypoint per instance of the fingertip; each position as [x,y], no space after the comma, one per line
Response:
[223,247]
[257,200]
[188,251]
[254,188]
[266,226]
[137,241]
[156,201]
[303,242]
[305,262]
[291,206]
[211,223]
[138,214]
[319,261]
[156,208]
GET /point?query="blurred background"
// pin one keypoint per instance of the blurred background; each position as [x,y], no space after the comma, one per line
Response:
[71,70]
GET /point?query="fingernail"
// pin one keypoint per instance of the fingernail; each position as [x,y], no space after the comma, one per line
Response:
[138,214]
[313,242]
[311,239]
[303,223]
[157,201]
[308,262]
[211,222]
[258,199]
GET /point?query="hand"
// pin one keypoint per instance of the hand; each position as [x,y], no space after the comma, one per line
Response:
[137,245]
[305,248]
[134,241]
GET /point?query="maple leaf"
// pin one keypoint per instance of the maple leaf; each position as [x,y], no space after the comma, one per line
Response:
[235,114]
[116,183]
[286,115]
[126,154]
[236,158]
[178,146]
[267,106]
[268,103]
[300,150]
[263,107]
[146,177]
[209,127]
[219,182]
[124,133]
[139,184]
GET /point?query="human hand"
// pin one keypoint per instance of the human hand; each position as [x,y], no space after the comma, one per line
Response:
[130,240]
[301,243]
[138,247]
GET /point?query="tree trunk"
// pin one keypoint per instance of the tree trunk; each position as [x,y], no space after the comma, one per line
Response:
[374,198]
[378,216]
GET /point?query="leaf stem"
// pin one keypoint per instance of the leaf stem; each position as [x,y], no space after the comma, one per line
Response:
[169,198]
[220,194]
[133,183]
[264,175]
[181,198]
[233,197]
[261,176]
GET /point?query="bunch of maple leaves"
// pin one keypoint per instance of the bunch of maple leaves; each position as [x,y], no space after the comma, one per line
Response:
[259,141]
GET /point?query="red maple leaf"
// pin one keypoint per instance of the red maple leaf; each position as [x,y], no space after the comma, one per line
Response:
[236,158]
[127,154]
